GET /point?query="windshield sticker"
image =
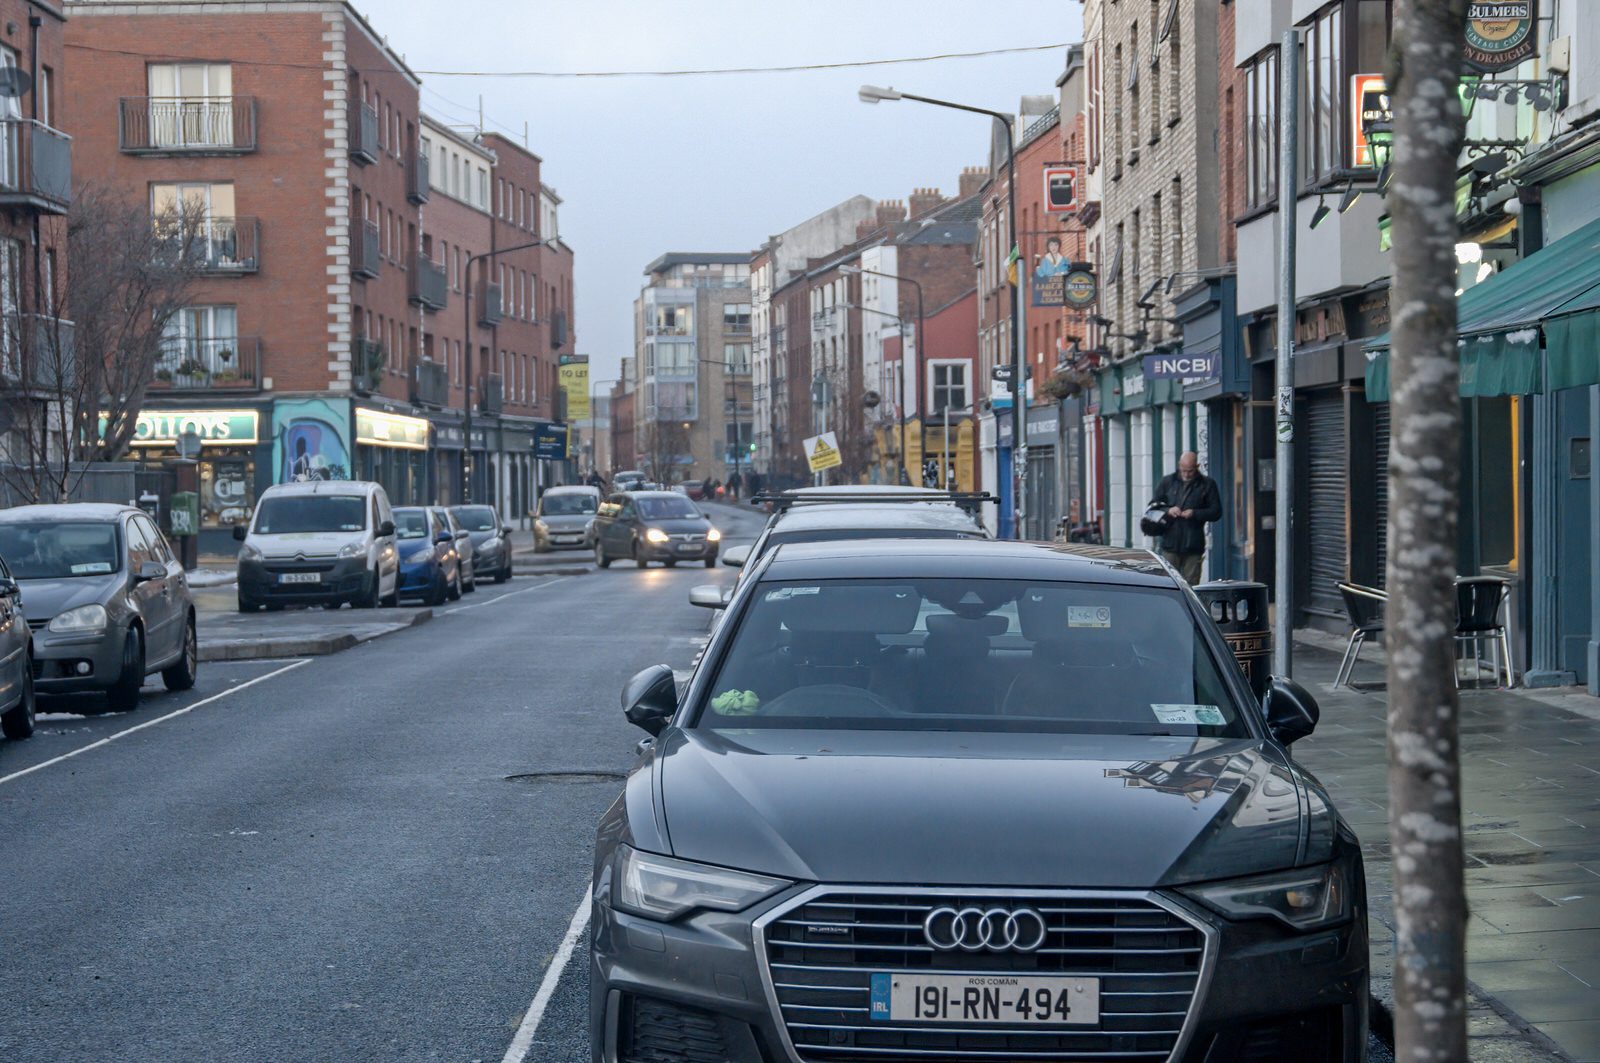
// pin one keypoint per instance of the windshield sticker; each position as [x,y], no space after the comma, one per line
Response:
[1196,715]
[1088,616]
[791,592]
[91,568]
[736,703]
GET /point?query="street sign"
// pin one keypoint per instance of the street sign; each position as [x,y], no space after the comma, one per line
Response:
[1178,366]
[1001,372]
[822,452]
[572,359]
[550,441]
[1500,34]
[1061,190]
[574,379]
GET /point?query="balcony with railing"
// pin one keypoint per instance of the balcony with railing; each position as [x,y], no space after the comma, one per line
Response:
[429,287]
[489,314]
[218,363]
[363,133]
[417,179]
[492,393]
[35,166]
[430,383]
[38,352]
[228,247]
[187,125]
[365,250]
[367,360]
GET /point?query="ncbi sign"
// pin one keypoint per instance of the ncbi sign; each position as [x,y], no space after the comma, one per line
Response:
[1180,366]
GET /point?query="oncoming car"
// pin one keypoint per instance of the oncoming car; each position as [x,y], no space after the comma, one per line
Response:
[966,800]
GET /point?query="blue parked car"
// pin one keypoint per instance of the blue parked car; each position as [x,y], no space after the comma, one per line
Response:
[430,566]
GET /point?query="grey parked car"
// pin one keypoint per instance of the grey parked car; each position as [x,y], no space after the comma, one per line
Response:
[105,598]
[491,541]
[961,800]
[16,661]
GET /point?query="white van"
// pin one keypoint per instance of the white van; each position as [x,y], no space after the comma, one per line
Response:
[565,518]
[324,542]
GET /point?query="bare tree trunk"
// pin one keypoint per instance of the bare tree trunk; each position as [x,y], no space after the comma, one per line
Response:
[1424,474]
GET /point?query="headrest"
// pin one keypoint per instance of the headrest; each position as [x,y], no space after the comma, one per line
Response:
[850,609]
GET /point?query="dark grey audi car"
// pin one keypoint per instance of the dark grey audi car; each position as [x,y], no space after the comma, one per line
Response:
[968,800]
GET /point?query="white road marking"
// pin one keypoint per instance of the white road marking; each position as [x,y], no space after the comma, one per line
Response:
[523,1041]
[151,723]
[497,598]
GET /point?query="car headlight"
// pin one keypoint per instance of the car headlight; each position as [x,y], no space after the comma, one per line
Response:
[419,552]
[90,617]
[656,535]
[659,887]
[713,536]
[1305,898]
[355,549]
[491,543]
[250,553]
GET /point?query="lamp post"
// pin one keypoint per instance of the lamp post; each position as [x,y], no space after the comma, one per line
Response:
[1011,496]
[732,377]
[904,406]
[466,314]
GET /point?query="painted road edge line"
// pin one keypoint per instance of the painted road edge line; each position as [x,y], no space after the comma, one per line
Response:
[108,739]
[452,610]
[523,1041]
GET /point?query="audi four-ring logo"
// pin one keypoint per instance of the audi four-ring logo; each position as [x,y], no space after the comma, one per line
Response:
[980,929]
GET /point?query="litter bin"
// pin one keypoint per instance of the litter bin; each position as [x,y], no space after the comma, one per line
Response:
[1239,609]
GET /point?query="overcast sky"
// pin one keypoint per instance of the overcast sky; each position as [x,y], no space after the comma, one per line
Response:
[719,163]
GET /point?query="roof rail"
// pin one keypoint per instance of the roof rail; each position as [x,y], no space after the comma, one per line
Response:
[784,500]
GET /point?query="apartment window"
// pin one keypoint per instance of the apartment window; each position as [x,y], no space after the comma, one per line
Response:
[1175,223]
[1155,71]
[1094,106]
[949,382]
[736,317]
[483,188]
[533,298]
[1174,65]
[10,303]
[1322,81]
[736,356]
[1133,92]
[385,138]
[191,104]
[199,341]
[1116,105]
[1261,130]
[676,359]
[46,95]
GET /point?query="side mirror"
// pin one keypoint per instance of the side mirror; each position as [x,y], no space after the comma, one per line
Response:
[650,698]
[8,587]
[737,557]
[708,596]
[386,528]
[445,537]
[1291,711]
[240,532]
[150,570]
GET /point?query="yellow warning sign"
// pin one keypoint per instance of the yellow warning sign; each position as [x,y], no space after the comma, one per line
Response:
[823,452]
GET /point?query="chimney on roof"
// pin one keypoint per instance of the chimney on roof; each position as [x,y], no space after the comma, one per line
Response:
[972,178]
[924,200]
[890,211]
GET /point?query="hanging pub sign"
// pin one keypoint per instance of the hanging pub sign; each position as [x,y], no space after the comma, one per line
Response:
[1080,288]
[1369,95]
[1500,33]
[1061,190]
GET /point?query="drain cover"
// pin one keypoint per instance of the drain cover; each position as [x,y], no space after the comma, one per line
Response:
[567,777]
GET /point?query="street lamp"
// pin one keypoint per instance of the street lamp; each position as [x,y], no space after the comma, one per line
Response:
[466,314]
[732,377]
[904,406]
[1011,496]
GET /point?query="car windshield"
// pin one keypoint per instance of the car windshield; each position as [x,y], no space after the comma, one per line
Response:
[969,655]
[410,524]
[291,514]
[476,518]
[60,551]
[566,505]
[666,508]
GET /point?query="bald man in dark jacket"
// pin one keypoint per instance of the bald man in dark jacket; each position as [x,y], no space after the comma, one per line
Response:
[1191,501]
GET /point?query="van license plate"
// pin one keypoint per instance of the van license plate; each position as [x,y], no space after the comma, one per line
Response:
[299,577]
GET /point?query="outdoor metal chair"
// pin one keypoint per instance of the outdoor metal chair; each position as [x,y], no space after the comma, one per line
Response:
[1478,603]
[1364,606]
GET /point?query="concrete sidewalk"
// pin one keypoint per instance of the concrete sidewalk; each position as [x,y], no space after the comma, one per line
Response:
[1531,814]
[228,635]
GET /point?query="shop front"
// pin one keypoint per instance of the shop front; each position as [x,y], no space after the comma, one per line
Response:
[235,462]
[1043,501]
[449,442]
[516,470]
[1142,419]
[392,449]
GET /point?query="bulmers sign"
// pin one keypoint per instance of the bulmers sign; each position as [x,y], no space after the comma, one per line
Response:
[1180,366]
[1500,33]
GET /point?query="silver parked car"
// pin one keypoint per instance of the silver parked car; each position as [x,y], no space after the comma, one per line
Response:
[17,709]
[491,541]
[466,556]
[105,597]
[565,518]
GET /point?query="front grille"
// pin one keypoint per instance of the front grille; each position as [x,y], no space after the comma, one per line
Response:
[38,625]
[688,537]
[822,952]
[309,565]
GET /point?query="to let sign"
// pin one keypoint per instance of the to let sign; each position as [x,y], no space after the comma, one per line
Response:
[1180,366]
[1500,33]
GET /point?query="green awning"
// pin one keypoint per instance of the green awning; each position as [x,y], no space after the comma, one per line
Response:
[1554,292]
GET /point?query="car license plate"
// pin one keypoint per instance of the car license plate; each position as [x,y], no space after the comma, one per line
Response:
[980,999]
[688,548]
[299,577]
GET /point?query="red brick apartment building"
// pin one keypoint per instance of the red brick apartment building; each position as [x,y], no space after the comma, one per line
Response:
[35,193]
[330,336]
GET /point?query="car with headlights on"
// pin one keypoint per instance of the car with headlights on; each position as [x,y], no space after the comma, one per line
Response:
[430,567]
[969,800]
[105,597]
[646,526]
[319,542]
[564,518]
[491,540]
[466,556]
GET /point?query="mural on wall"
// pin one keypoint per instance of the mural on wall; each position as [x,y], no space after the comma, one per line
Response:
[309,440]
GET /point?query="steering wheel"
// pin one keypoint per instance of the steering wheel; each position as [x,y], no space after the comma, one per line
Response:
[828,699]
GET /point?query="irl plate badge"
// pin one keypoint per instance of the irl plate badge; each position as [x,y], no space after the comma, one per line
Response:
[881,984]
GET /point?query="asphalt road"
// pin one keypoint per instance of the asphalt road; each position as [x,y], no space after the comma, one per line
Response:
[373,855]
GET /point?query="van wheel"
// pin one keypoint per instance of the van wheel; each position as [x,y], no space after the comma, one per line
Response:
[180,675]
[368,599]
[248,605]
[18,723]
[124,696]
